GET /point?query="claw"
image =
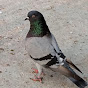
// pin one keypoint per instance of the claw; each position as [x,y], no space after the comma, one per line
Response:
[37,79]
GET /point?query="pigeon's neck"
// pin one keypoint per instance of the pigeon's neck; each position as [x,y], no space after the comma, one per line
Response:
[37,29]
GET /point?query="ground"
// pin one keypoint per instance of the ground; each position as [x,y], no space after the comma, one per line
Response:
[67,20]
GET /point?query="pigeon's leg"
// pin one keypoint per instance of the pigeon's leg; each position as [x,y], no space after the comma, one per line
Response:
[40,70]
[40,73]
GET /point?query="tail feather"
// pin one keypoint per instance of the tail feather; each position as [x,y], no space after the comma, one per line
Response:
[80,83]
[68,72]
[70,63]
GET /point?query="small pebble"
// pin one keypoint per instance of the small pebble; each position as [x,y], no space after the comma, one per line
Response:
[0,71]
[1,50]
[75,41]
[20,9]
[25,54]
[51,75]
[12,53]
[10,37]
[0,12]
[83,42]
[1,37]
[71,32]
[12,50]
[8,64]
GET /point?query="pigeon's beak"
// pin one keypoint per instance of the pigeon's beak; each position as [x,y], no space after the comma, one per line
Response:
[27,18]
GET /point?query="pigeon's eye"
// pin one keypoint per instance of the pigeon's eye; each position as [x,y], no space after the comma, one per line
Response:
[33,16]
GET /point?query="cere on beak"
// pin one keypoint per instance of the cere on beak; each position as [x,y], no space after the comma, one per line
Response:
[27,18]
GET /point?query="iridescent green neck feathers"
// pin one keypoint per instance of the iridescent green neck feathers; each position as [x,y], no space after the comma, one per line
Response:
[37,28]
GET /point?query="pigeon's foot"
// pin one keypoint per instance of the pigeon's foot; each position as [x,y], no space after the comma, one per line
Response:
[37,79]
[34,70]
[39,76]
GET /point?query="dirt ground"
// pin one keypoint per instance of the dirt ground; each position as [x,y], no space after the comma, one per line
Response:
[67,20]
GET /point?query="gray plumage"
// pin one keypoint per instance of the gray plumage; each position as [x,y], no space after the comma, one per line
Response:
[39,47]
[43,49]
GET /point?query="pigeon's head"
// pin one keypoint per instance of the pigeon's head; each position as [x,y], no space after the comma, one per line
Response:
[34,16]
[38,26]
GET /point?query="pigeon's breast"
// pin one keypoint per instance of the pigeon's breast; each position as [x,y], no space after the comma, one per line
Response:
[39,47]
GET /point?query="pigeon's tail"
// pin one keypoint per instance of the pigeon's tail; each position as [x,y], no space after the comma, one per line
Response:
[80,83]
[68,72]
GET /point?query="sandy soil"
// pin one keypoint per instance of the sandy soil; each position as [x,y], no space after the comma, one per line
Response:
[67,20]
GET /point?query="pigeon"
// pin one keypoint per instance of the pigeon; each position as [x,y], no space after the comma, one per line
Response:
[43,49]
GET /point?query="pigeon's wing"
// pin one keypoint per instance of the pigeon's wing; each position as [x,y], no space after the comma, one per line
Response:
[56,47]
[54,43]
